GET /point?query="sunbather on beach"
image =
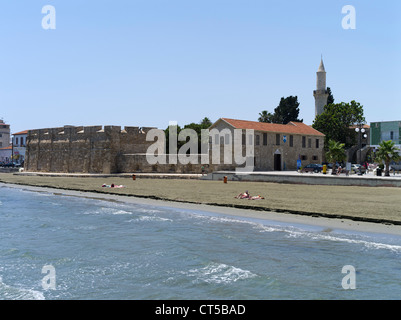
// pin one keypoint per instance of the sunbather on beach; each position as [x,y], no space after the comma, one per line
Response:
[244,195]
[256,198]
[112,186]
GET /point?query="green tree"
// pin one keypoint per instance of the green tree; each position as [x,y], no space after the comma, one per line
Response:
[286,111]
[205,123]
[335,153]
[330,99]
[388,152]
[167,141]
[265,116]
[336,119]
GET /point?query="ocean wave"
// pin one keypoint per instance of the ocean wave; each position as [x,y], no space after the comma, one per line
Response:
[107,210]
[145,210]
[120,212]
[149,218]
[12,293]
[298,232]
[220,273]
[370,244]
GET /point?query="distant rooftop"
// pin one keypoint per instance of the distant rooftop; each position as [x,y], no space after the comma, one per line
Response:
[291,127]
[20,133]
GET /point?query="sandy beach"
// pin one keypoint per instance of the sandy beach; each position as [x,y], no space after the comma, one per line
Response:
[327,207]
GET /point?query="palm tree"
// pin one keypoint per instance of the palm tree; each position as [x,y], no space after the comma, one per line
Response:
[336,153]
[265,116]
[388,152]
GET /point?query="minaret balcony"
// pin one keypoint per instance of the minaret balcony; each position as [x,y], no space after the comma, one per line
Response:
[320,92]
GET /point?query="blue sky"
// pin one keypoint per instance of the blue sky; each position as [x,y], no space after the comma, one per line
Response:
[145,63]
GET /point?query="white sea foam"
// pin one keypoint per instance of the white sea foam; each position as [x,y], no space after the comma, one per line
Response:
[107,210]
[121,212]
[144,210]
[149,218]
[220,273]
[12,293]
[295,232]
[371,244]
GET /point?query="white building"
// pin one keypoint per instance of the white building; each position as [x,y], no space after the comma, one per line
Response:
[19,146]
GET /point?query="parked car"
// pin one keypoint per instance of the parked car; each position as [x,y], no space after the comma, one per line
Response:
[11,165]
[8,165]
[356,168]
[330,165]
[395,166]
[313,167]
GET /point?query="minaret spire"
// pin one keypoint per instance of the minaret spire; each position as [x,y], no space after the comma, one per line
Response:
[321,66]
[320,93]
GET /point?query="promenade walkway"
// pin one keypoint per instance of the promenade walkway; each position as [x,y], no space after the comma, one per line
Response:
[368,180]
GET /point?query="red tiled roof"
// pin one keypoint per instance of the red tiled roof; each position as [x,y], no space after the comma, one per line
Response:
[291,127]
[20,133]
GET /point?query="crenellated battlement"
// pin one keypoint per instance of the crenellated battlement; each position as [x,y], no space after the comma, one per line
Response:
[83,148]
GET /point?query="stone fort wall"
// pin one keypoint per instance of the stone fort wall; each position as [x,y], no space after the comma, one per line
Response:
[95,149]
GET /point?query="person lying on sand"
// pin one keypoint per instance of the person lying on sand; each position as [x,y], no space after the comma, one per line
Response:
[112,186]
[256,198]
[244,195]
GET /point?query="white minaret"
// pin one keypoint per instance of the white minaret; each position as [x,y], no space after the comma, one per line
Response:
[320,93]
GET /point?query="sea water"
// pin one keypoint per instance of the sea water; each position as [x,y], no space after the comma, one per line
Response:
[55,246]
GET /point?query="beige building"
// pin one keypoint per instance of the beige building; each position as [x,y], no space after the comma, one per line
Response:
[276,146]
[4,134]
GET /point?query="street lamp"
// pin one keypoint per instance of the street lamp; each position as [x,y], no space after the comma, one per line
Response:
[361,131]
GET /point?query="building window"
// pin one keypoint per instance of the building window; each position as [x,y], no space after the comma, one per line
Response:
[243,139]
[391,135]
[16,141]
[1,135]
[309,143]
[303,142]
[277,139]
[317,143]
[304,158]
[257,140]
[265,139]
[315,158]
[227,138]
[291,141]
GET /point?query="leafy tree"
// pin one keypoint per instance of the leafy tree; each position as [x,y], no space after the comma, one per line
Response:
[335,153]
[336,119]
[388,152]
[286,111]
[330,99]
[205,123]
[167,135]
